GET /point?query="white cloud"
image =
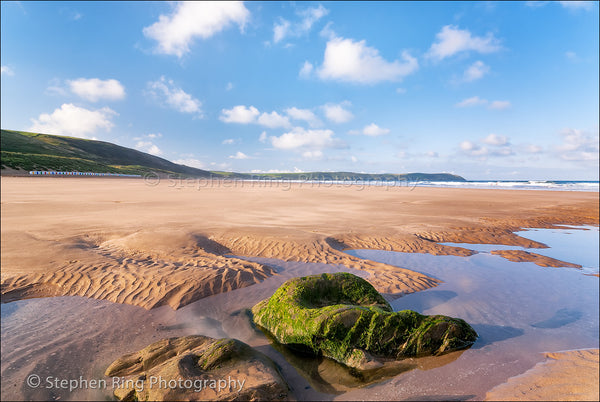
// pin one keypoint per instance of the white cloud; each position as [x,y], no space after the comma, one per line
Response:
[477,101]
[473,149]
[305,115]
[228,141]
[337,113]
[533,149]
[476,71]
[452,40]
[73,120]
[432,154]
[500,146]
[283,28]
[195,19]
[273,120]
[196,163]
[578,145]
[496,140]
[577,5]
[400,90]
[304,141]
[158,135]
[166,91]
[296,170]
[306,70]
[229,86]
[354,159]
[148,147]
[374,130]
[6,70]
[239,114]
[94,89]
[473,101]
[499,105]
[318,154]
[239,155]
[263,137]
[280,30]
[350,61]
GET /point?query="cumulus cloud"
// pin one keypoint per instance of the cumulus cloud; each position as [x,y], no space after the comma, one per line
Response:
[94,89]
[498,146]
[148,147]
[196,163]
[473,149]
[476,71]
[239,114]
[351,61]
[306,70]
[477,101]
[284,28]
[578,145]
[452,40]
[304,115]
[166,92]
[337,113]
[73,120]
[6,70]
[374,130]
[309,143]
[239,155]
[496,140]
[273,120]
[195,19]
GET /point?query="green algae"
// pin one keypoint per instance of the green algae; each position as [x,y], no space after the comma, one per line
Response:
[341,316]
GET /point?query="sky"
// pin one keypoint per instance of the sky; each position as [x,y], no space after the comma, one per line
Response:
[485,90]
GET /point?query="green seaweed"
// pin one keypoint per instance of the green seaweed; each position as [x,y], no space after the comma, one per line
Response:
[341,316]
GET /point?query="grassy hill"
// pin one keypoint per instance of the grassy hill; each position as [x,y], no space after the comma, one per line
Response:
[30,151]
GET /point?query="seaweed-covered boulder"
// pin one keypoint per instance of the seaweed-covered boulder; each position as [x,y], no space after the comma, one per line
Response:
[341,316]
[194,368]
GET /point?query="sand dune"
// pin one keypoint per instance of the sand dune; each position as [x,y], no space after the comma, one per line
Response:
[128,242]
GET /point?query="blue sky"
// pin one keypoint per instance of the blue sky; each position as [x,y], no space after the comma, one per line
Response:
[486,90]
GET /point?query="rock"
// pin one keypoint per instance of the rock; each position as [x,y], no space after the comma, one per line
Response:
[343,317]
[196,368]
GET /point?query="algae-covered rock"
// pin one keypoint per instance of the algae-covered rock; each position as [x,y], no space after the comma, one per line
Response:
[341,316]
[194,368]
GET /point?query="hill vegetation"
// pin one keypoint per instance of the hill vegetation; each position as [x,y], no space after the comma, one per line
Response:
[24,151]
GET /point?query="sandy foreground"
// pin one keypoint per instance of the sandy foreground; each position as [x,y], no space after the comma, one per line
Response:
[171,243]
[565,376]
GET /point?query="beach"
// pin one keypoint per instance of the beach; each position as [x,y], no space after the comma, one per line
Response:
[163,245]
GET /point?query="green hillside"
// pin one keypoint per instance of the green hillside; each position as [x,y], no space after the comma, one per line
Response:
[31,151]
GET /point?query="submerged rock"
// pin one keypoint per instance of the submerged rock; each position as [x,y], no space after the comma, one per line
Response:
[195,368]
[343,317]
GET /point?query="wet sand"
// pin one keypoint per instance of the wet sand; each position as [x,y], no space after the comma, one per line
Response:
[168,247]
[118,240]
